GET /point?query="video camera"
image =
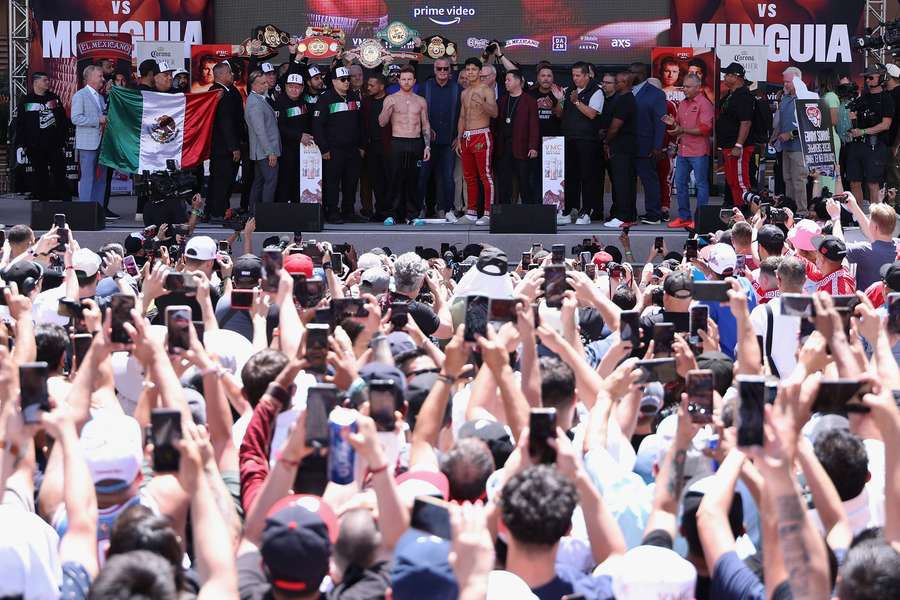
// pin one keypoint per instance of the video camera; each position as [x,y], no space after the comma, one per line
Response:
[847,90]
[170,184]
[887,36]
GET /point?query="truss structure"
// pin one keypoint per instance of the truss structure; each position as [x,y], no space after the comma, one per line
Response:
[19,39]
[876,14]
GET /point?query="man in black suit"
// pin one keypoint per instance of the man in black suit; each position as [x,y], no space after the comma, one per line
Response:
[228,129]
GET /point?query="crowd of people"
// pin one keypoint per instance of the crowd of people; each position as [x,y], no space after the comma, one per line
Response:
[181,417]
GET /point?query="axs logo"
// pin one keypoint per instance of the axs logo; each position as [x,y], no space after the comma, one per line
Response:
[621,43]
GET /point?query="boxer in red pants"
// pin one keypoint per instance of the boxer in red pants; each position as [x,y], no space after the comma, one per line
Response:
[475,144]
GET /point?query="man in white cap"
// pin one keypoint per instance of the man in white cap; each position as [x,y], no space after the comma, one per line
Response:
[721,260]
[293,125]
[162,81]
[200,256]
[315,85]
[180,81]
[82,272]
[271,78]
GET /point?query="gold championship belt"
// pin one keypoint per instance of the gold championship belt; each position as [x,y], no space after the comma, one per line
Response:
[327,31]
[397,34]
[253,48]
[271,36]
[370,53]
[437,46]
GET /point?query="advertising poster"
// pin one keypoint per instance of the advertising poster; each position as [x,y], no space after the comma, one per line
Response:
[754,59]
[814,123]
[91,48]
[809,34]
[310,174]
[553,171]
[204,57]
[170,52]
[670,65]
[55,25]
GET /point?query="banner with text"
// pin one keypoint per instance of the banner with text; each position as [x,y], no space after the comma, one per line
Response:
[814,123]
[310,174]
[810,34]
[553,171]
[754,59]
[170,52]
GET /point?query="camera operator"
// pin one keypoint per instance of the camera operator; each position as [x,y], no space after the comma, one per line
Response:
[892,86]
[847,91]
[867,153]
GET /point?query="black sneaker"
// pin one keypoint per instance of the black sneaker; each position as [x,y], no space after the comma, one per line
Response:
[111,216]
[664,217]
[649,220]
[354,218]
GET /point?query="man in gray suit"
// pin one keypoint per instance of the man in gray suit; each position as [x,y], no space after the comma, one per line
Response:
[265,141]
[89,118]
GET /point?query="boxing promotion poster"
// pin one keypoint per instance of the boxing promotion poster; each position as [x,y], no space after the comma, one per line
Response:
[809,34]
[204,58]
[670,65]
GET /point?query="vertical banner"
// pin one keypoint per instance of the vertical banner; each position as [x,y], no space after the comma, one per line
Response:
[814,123]
[754,59]
[310,174]
[170,52]
[553,168]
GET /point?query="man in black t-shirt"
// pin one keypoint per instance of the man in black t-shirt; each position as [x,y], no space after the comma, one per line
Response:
[545,93]
[892,85]
[867,154]
[620,146]
[733,131]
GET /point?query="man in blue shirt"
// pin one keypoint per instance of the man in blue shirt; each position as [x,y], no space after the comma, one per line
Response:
[442,95]
[793,168]
[721,261]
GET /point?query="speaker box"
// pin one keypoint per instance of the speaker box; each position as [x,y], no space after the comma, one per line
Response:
[295,216]
[80,216]
[523,218]
[707,220]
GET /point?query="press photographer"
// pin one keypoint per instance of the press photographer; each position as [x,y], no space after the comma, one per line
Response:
[867,153]
[165,194]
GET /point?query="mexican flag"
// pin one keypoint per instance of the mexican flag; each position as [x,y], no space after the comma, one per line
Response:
[144,129]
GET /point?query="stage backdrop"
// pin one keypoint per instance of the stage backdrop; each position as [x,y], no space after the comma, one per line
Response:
[57,23]
[562,31]
[805,33]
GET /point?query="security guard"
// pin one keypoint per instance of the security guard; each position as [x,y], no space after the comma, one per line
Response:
[41,131]
[293,125]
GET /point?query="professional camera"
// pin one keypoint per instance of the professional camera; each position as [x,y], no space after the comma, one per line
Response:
[887,37]
[847,91]
[756,198]
[166,185]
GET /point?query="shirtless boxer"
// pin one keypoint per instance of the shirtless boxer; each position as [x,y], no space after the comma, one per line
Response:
[408,115]
[479,106]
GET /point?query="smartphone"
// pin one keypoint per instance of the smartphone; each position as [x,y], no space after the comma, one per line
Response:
[383,403]
[526,259]
[121,306]
[180,282]
[797,305]
[555,285]
[699,386]
[59,220]
[431,515]
[165,424]
[33,391]
[2,236]
[178,323]
[657,369]
[81,343]
[536,313]
[893,302]
[399,314]
[312,250]
[348,307]
[503,310]
[590,269]
[241,299]
[711,291]
[271,269]
[629,328]
[317,346]
[690,248]
[200,329]
[699,321]
[130,266]
[476,317]
[740,264]
[764,210]
[585,258]
[72,309]
[63,239]
[542,427]
[663,338]
[658,243]
[837,396]
[726,215]
[224,247]
[558,254]
[337,262]
[752,398]
[320,400]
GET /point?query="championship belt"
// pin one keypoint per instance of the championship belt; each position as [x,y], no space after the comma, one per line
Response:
[318,46]
[397,34]
[437,46]
[370,53]
[253,48]
[326,31]
[271,36]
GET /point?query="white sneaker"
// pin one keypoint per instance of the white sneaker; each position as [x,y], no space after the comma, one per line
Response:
[465,220]
[485,220]
[573,214]
[584,219]
[451,217]
[139,217]
[563,219]
[613,223]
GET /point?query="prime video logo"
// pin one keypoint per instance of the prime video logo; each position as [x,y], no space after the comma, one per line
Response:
[443,15]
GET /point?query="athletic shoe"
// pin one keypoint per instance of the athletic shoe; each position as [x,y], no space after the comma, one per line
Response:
[110,215]
[485,220]
[451,217]
[676,224]
[613,223]
[563,219]
[689,224]
[665,216]
[584,219]
[139,217]
[389,221]
[649,220]
[465,220]
[418,222]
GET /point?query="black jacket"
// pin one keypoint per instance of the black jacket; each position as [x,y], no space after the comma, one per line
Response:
[228,125]
[293,119]
[337,121]
[42,122]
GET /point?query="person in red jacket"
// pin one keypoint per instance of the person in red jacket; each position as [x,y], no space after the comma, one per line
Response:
[517,139]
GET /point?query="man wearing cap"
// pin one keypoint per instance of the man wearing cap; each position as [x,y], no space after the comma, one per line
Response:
[162,81]
[867,152]
[678,291]
[721,261]
[81,275]
[200,254]
[338,130]
[180,81]
[785,132]
[828,272]
[733,131]
[800,237]
[779,334]
[42,130]
[228,134]
[315,85]
[271,78]
[293,125]
[265,141]
[246,276]
[147,72]
[769,241]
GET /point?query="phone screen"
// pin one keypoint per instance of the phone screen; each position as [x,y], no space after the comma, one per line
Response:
[308,292]
[431,515]
[663,338]
[526,259]
[557,254]
[316,346]
[699,321]
[120,309]
[178,322]
[690,248]
[271,269]
[725,215]
[476,317]
[312,250]
[658,243]
[224,246]
[320,400]
[382,403]
[585,258]
[700,395]
[555,285]
[740,264]
[33,391]
[166,426]
[657,369]
[59,220]
[711,291]
[835,396]
[629,328]
[542,427]
[81,343]
[337,262]
[503,310]
[63,238]
[590,269]
[796,305]
[130,266]
[399,314]
[241,299]
[348,307]
[752,394]
[180,282]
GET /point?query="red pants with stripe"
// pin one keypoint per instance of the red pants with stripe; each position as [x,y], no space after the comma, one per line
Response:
[737,173]
[477,146]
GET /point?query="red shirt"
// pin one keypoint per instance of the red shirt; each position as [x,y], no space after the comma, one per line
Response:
[839,283]
[695,113]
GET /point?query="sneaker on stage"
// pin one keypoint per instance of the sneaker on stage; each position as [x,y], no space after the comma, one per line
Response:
[678,223]
[484,220]
[389,221]
[649,220]
[110,215]
[451,217]
[664,216]
[466,219]
[418,222]
[689,224]
[563,219]
[613,223]
[584,219]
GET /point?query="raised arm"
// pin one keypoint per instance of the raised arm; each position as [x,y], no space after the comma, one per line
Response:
[712,515]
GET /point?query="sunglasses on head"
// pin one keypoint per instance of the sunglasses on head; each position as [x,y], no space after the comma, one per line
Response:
[344,79]
[442,68]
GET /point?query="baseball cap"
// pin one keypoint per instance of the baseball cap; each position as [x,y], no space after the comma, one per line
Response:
[721,258]
[266,67]
[374,281]
[133,243]
[298,264]
[296,542]
[832,248]
[893,70]
[148,67]
[722,367]
[368,260]
[800,236]
[734,68]
[601,258]
[417,390]
[492,433]
[422,483]
[85,262]
[247,270]
[770,235]
[400,342]
[679,284]
[295,78]
[201,247]
[21,271]
[873,70]
[372,371]
[113,450]
[313,71]
[652,572]
[341,72]
[393,68]
[165,67]
[890,273]
[422,568]
[492,261]
[180,72]
[652,398]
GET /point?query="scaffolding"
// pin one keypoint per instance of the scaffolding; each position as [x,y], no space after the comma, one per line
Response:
[19,39]
[876,15]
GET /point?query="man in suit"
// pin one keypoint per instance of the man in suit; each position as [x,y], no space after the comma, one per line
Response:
[265,141]
[651,107]
[517,139]
[89,118]
[228,128]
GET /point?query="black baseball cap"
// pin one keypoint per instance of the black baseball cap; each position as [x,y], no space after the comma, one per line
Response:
[770,235]
[832,248]
[247,270]
[148,67]
[890,274]
[492,261]
[734,68]
[296,542]
[492,433]
[679,284]
[25,274]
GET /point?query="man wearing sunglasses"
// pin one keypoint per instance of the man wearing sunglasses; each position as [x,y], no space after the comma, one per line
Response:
[867,153]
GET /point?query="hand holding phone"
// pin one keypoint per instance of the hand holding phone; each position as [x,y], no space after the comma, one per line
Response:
[33,394]
[165,425]
[700,385]
[121,306]
[542,427]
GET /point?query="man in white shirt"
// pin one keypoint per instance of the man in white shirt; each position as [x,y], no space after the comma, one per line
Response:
[785,331]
